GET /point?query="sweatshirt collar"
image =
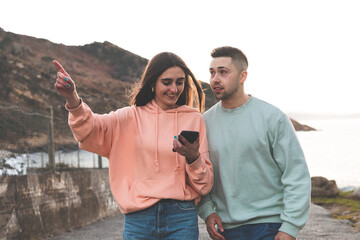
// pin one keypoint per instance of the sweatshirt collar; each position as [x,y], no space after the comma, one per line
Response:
[238,109]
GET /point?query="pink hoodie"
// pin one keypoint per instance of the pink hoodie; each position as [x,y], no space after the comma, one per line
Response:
[138,142]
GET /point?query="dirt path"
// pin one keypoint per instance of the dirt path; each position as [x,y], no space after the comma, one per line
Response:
[321,226]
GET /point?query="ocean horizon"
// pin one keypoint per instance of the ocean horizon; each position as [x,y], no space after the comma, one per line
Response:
[333,150]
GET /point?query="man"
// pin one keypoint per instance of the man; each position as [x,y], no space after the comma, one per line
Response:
[261,180]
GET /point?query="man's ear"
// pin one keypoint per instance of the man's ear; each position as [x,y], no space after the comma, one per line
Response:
[243,76]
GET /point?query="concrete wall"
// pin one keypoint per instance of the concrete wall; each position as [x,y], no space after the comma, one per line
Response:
[36,206]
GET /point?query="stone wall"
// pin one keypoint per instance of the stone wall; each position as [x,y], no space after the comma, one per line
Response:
[36,206]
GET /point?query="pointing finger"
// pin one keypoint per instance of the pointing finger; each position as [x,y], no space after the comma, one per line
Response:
[60,68]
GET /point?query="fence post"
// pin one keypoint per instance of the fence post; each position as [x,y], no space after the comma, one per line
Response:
[42,159]
[51,145]
[78,157]
[27,159]
[100,161]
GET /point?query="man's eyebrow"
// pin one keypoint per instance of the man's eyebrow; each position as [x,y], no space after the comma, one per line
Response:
[220,67]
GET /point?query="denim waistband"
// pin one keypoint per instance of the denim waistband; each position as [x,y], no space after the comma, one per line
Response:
[167,200]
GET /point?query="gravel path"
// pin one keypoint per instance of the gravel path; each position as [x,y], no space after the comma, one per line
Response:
[321,226]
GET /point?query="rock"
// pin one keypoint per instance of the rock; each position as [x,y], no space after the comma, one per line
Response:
[301,127]
[356,194]
[322,187]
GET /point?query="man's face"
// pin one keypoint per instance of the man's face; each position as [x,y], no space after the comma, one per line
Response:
[224,78]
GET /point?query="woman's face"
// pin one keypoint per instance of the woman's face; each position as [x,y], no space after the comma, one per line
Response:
[169,87]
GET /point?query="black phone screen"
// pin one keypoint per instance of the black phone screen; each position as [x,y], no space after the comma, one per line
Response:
[190,136]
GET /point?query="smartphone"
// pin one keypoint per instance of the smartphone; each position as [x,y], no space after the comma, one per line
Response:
[190,136]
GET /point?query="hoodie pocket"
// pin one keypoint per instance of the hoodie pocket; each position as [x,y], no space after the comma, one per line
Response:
[158,189]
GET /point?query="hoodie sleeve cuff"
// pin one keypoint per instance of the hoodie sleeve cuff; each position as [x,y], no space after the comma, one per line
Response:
[78,111]
[196,164]
[289,228]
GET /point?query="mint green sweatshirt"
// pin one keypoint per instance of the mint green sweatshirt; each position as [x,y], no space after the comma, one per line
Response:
[260,173]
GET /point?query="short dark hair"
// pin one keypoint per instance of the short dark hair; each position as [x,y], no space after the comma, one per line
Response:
[236,55]
[142,93]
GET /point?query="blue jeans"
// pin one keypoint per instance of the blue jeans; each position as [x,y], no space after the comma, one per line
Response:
[260,231]
[167,219]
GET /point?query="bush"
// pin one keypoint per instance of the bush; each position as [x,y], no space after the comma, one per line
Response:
[47,59]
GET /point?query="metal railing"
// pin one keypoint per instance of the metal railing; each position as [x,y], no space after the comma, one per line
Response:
[35,139]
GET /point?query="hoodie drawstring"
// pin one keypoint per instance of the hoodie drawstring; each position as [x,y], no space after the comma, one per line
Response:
[176,132]
[156,162]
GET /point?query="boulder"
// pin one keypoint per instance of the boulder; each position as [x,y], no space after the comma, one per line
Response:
[356,194]
[322,187]
[301,127]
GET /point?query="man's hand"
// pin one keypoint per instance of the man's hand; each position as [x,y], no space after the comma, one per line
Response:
[211,221]
[283,236]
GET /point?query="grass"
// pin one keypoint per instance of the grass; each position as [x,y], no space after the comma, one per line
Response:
[342,207]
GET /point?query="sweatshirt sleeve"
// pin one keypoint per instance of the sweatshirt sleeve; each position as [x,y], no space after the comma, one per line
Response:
[205,207]
[200,172]
[94,132]
[295,177]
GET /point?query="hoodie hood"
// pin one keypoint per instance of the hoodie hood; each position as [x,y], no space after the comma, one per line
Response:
[154,108]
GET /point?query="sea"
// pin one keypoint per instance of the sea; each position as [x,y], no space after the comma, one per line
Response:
[333,152]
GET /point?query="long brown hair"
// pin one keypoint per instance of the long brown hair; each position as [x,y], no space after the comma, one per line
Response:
[142,93]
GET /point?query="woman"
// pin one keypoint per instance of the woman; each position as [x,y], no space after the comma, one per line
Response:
[155,186]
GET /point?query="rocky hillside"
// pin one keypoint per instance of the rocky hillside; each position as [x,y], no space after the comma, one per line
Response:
[104,74]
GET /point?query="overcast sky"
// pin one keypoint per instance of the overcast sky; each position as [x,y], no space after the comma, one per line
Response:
[304,56]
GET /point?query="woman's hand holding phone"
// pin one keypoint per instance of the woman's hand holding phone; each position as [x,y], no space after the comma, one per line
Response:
[187,145]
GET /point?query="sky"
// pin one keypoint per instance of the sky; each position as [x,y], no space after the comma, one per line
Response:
[304,56]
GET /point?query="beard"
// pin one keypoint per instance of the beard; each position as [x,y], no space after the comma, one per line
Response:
[226,93]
